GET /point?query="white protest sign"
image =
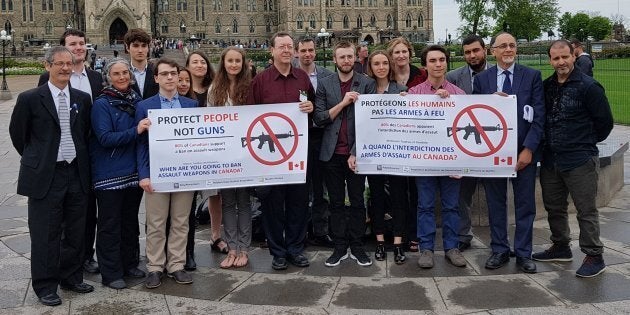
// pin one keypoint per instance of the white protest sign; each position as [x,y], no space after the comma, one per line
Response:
[425,135]
[222,147]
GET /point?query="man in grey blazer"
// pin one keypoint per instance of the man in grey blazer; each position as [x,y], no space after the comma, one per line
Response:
[319,235]
[334,110]
[475,56]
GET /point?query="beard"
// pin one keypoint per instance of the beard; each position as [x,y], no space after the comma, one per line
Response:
[344,69]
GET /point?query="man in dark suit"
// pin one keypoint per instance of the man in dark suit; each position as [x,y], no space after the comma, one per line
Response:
[334,109]
[508,78]
[137,46]
[305,50]
[90,82]
[49,128]
[475,56]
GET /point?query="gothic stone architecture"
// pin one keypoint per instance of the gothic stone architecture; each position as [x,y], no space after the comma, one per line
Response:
[226,21]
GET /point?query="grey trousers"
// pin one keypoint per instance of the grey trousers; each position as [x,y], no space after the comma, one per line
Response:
[581,183]
[237,218]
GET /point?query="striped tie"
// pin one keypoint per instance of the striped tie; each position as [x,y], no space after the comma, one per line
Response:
[67,145]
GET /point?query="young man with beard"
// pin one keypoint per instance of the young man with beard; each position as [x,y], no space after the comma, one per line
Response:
[315,179]
[475,56]
[334,111]
[578,116]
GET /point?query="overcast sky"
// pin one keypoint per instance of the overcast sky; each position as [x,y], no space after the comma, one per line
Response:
[446,16]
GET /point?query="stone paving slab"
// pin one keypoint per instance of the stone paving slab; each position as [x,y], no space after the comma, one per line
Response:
[607,287]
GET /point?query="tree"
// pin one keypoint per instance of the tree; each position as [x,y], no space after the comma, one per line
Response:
[581,26]
[474,14]
[525,18]
[599,27]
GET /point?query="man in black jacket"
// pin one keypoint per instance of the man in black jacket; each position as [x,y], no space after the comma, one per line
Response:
[578,116]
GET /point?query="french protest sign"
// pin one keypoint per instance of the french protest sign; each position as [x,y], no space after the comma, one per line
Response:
[223,147]
[425,135]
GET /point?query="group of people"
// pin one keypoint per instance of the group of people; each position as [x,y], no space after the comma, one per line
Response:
[83,139]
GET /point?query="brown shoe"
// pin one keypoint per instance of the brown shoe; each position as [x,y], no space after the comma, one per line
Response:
[181,277]
[455,257]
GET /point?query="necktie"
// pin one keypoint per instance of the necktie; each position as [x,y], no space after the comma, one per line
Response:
[507,83]
[67,144]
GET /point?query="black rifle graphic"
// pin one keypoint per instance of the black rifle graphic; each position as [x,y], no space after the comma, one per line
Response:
[472,129]
[263,138]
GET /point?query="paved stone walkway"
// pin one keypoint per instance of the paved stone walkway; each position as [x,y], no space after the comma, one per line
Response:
[383,288]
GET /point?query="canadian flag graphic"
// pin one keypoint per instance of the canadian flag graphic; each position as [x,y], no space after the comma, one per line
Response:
[296,166]
[502,160]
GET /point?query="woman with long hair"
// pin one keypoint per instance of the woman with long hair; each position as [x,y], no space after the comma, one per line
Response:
[202,75]
[114,175]
[380,69]
[230,88]
[400,51]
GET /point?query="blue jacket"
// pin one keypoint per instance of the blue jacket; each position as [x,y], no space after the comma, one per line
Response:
[142,148]
[113,141]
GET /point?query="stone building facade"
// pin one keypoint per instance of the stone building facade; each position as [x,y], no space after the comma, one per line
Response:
[219,21]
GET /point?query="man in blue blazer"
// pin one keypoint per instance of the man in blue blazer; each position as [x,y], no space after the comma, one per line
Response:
[160,205]
[508,78]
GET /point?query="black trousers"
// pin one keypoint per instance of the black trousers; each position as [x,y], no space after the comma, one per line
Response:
[90,226]
[285,217]
[347,224]
[398,202]
[57,228]
[315,181]
[117,239]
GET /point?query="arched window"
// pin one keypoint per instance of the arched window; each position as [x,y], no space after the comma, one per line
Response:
[252,26]
[420,21]
[268,5]
[359,21]
[49,27]
[311,22]
[182,5]
[390,21]
[217,26]
[233,5]
[8,27]
[346,22]
[268,25]
[373,21]
[234,26]
[217,5]
[329,22]
[299,22]
[164,26]
[251,5]
[408,20]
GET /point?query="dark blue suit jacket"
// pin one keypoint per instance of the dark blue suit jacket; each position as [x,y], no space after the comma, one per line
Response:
[528,87]
[142,147]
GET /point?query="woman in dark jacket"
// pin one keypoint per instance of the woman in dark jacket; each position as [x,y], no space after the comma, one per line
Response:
[114,175]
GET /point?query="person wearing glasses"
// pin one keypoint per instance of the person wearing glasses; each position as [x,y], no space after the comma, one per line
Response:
[285,207]
[160,205]
[509,78]
[49,128]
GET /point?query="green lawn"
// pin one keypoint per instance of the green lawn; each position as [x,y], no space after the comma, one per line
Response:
[613,74]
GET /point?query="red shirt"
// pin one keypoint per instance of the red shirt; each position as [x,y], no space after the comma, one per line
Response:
[342,139]
[416,76]
[271,87]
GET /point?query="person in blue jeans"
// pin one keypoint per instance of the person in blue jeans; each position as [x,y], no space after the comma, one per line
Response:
[435,59]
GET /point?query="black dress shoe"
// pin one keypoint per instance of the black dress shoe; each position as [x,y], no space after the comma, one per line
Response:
[51,299]
[135,273]
[298,260]
[526,264]
[78,288]
[279,263]
[497,260]
[380,254]
[462,246]
[154,280]
[190,261]
[91,266]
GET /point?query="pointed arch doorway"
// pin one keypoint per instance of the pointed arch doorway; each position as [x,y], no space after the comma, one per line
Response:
[117,31]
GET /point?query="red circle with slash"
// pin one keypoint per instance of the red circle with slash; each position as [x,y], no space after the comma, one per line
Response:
[285,156]
[492,149]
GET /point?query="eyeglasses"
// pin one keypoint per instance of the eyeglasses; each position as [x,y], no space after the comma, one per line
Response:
[60,64]
[285,47]
[505,46]
[167,73]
